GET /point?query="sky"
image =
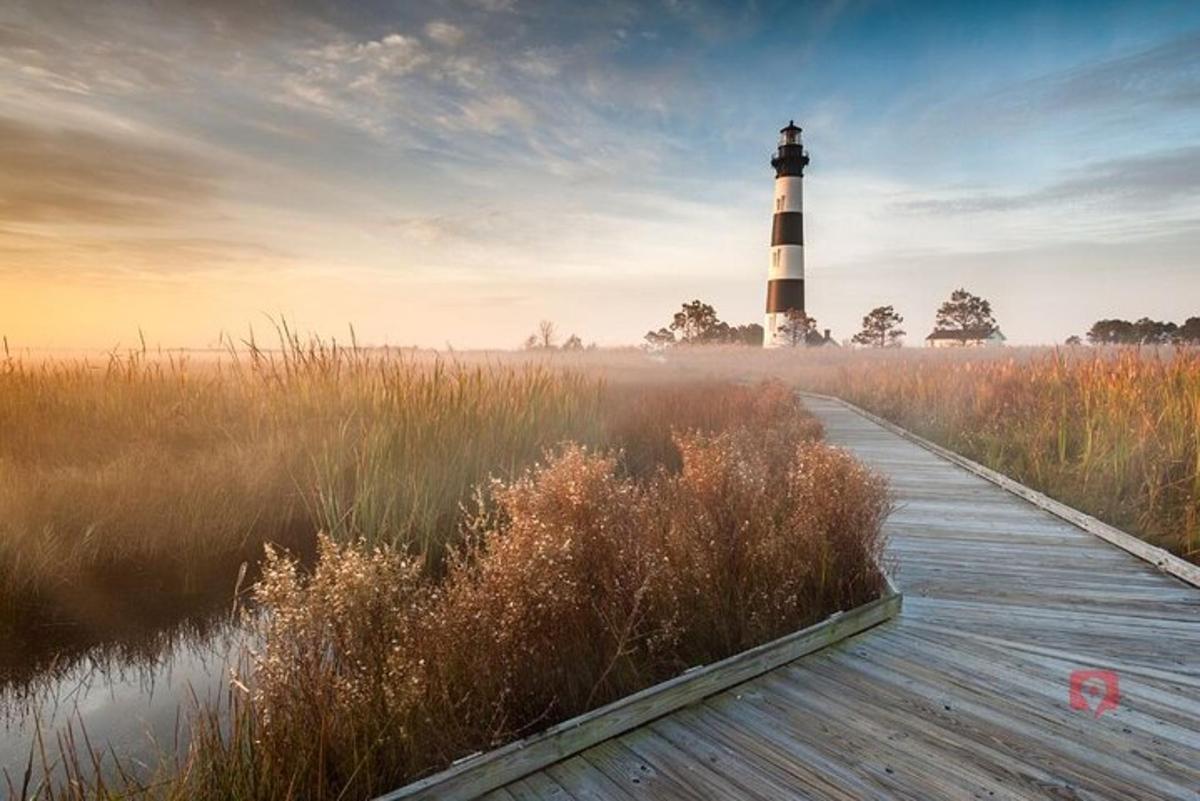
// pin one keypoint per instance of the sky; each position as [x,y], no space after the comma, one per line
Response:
[450,172]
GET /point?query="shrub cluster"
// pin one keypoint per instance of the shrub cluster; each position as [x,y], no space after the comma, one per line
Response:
[579,585]
[671,522]
[141,478]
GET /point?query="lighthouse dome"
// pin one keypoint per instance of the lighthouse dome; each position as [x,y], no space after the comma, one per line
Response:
[791,134]
[791,158]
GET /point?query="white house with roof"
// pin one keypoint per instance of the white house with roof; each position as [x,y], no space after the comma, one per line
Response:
[966,338]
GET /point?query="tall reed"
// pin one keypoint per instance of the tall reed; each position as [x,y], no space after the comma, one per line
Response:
[1114,432]
[579,583]
[145,477]
[592,574]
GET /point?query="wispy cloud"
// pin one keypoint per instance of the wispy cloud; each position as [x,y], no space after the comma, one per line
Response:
[1132,183]
[116,258]
[1166,75]
[547,145]
[1151,93]
[77,177]
[444,33]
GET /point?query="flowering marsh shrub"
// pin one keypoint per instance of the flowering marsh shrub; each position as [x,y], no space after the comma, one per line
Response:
[578,584]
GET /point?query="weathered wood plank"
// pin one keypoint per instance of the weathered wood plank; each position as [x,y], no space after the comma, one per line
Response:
[1162,559]
[965,694]
[584,782]
[501,794]
[634,775]
[724,760]
[538,787]
[485,772]
[699,779]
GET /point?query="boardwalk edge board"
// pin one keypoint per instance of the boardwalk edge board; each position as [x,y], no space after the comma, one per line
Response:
[1164,560]
[479,774]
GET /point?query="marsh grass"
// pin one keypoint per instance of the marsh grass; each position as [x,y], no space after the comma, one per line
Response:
[577,583]
[584,587]
[142,479]
[1114,432]
[621,532]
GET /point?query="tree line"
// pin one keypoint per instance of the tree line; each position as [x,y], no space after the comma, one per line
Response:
[1142,332]
[964,313]
[546,338]
[697,323]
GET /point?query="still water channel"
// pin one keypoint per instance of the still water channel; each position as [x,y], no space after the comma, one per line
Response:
[134,704]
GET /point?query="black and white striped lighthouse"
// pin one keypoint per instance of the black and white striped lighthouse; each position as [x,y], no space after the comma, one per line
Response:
[785,275]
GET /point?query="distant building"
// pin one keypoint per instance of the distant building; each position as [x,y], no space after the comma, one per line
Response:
[966,338]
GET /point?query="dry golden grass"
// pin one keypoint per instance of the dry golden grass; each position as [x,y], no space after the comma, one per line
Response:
[579,583]
[142,479]
[1114,432]
[704,517]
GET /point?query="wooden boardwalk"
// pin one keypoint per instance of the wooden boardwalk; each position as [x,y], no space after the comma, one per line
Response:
[965,694]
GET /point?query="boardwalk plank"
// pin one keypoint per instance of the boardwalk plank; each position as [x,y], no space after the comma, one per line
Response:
[699,776]
[634,775]
[539,787]
[757,778]
[965,695]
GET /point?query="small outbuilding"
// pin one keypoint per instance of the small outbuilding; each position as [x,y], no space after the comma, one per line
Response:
[965,338]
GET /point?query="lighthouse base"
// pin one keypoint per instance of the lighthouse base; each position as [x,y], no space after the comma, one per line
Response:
[784,294]
[772,336]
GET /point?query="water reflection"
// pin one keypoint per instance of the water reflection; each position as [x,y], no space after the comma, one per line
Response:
[131,698]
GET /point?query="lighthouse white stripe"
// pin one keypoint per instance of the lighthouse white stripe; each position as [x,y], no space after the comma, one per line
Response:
[789,193]
[787,261]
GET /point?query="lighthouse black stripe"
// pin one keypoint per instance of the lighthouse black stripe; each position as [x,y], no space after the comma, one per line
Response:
[790,160]
[788,228]
[784,294]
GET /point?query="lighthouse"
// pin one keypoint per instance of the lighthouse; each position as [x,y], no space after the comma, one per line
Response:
[785,273]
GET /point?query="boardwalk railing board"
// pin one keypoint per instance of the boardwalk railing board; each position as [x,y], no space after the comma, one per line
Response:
[1162,559]
[883,716]
[482,773]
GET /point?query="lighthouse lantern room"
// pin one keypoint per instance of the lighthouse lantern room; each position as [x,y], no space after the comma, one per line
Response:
[785,273]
